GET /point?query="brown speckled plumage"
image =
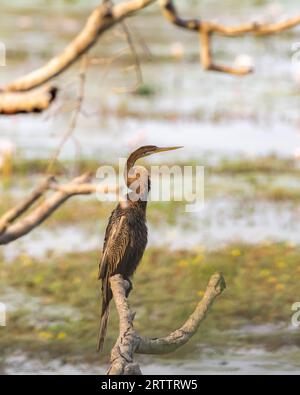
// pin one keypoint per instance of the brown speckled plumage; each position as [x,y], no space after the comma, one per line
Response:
[125,238]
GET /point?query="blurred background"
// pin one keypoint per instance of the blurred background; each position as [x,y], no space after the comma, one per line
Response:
[244,130]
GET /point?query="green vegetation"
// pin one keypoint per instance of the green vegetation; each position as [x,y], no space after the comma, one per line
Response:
[262,284]
[145,90]
[270,164]
[267,165]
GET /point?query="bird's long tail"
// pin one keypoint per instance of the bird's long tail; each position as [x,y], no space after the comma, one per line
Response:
[106,294]
[103,327]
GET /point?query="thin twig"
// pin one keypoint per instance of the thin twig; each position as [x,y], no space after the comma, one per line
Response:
[137,63]
[74,118]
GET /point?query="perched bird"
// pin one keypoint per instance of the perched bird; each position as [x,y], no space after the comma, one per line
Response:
[126,234]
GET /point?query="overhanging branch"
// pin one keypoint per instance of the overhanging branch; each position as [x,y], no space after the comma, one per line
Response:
[36,100]
[14,100]
[12,229]
[206,30]
[101,19]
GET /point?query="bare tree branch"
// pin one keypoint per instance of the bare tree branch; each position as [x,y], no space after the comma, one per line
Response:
[23,206]
[207,28]
[36,100]
[122,354]
[169,11]
[182,335]
[101,19]
[10,231]
[129,342]
[13,100]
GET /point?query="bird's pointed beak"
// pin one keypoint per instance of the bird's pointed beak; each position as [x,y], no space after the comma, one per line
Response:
[163,149]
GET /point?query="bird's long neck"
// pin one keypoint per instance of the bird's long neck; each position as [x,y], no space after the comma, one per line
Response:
[129,165]
[139,191]
[137,181]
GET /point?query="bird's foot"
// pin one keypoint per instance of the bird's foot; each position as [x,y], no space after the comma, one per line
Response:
[130,287]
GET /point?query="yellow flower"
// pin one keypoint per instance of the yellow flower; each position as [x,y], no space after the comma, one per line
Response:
[77,280]
[279,287]
[281,265]
[43,335]
[200,293]
[235,252]
[264,273]
[61,335]
[197,260]
[183,263]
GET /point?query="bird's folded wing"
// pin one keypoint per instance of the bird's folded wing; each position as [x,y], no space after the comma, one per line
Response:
[117,241]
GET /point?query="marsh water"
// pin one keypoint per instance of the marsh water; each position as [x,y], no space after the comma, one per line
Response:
[217,118]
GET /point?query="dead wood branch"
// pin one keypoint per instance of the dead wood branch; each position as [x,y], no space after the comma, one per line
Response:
[11,230]
[102,18]
[37,100]
[14,100]
[129,342]
[24,205]
[206,30]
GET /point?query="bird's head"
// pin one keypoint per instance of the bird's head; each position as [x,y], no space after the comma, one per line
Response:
[147,150]
[132,173]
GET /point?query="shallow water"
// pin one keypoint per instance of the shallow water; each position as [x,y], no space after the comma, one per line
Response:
[222,222]
[38,310]
[254,115]
[231,138]
[226,361]
[240,354]
[212,115]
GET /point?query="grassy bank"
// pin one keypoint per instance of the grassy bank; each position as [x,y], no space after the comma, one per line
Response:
[271,165]
[61,319]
